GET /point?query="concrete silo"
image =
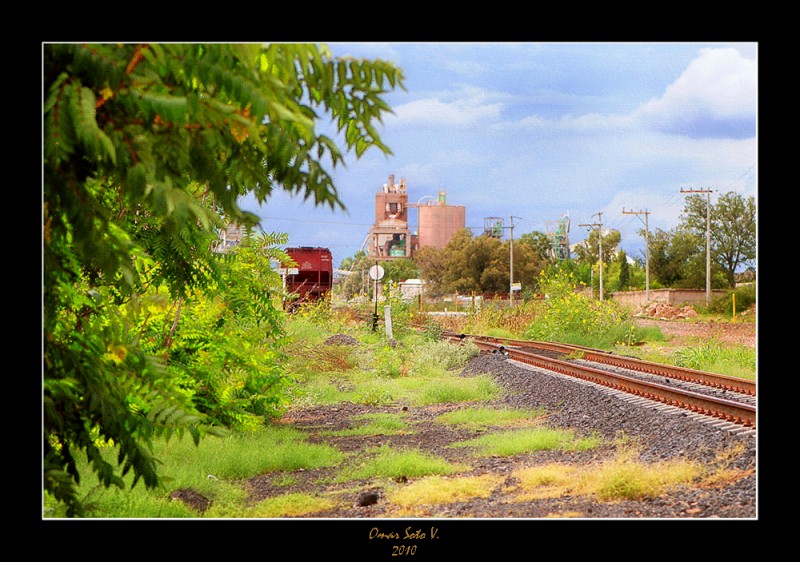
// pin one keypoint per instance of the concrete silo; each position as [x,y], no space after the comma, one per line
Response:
[438,222]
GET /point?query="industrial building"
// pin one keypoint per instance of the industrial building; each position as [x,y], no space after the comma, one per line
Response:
[438,222]
[390,236]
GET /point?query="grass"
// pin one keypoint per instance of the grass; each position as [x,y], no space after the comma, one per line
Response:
[622,477]
[712,356]
[438,490]
[481,418]
[418,372]
[210,469]
[614,480]
[516,442]
[386,462]
[289,505]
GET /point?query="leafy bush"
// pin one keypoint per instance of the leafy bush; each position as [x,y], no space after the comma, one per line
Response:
[572,317]
[745,297]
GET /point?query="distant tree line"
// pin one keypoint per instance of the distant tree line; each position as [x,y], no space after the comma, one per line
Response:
[481,264]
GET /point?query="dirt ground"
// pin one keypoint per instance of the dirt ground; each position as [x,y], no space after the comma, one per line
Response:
[689,332]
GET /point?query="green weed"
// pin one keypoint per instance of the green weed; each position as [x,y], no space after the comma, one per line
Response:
[386,462]
[482,418]
[521,441]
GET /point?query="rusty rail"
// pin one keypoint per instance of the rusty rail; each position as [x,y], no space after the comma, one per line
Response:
[705,378]
[742,414]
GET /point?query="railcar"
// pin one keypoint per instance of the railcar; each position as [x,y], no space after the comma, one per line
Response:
[310,277]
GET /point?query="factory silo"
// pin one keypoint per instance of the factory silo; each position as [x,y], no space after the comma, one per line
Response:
[438,222]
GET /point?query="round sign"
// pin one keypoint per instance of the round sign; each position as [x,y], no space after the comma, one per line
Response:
[376,272]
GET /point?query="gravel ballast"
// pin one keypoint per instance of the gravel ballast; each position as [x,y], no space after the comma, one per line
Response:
[664,434]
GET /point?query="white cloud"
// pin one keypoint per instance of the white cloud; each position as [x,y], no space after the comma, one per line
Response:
[714,97]
[471,107]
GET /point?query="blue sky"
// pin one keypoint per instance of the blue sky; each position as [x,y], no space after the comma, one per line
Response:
[546,130]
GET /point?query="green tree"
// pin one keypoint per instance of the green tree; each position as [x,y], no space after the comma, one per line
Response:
[624,271]
[676,259]
[356,281]
[540,243]
[400,269]
[431,264]
[147,149]
[477,263]
[589,250]
[732,228]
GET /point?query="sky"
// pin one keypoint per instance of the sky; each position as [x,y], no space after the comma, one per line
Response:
[546,131]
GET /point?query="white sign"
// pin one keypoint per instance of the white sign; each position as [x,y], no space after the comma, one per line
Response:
[288,270]
[516,286]
[376,272]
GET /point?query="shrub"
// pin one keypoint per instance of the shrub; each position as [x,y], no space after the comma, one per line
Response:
[745,298]
[568,316]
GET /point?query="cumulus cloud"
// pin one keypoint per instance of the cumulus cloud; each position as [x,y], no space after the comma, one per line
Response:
[473,106]
[715,97]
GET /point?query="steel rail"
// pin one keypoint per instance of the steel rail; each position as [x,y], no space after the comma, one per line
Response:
[714,380]
[742,414]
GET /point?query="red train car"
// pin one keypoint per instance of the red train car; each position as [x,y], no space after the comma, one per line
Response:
[310,277]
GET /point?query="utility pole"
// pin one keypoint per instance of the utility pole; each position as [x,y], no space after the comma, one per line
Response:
[708,238]
[511,265]
[646,250]
[599,226]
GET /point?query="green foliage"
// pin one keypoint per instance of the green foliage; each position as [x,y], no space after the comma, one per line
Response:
[478,263]
[147,150]
[571,317]
[402,313]
[223,345]
[100,386]
[433,358]
[400,269]
[501,321]
[678,256]
[211,469]
[745,297]
[589,251]
[624,271]
[731,223]
[712,356]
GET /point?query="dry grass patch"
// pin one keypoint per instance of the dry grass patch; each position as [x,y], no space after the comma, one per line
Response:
[543,482]
[625,479]
[725,474]
[437,490]
[617,479]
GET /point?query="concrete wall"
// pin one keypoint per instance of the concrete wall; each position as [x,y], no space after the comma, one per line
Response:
[676,297]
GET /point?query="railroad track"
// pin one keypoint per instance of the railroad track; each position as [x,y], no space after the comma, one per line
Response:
[697,391]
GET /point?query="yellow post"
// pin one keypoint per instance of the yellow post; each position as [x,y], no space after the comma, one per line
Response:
[733,296]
